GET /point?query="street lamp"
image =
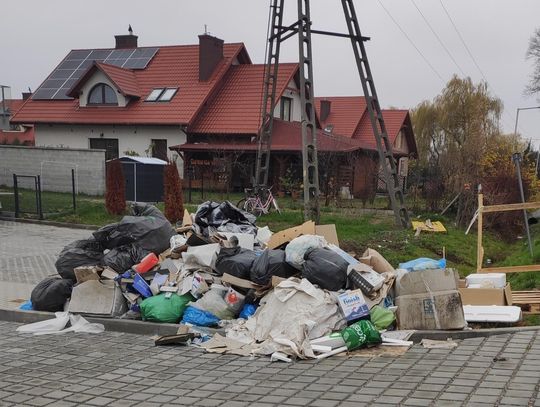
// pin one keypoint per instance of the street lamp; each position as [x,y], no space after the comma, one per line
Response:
[517,114]
[516,157]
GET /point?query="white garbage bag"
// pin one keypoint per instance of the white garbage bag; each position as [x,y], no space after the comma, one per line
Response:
[297,248]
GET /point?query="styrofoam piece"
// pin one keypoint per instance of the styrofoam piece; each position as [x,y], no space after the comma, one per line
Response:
[397,342]
[334,340]
[280,356]
[321,348]
[492,313]
[487,280]
[332,353]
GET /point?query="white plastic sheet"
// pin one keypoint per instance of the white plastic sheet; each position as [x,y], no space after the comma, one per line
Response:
[58,324]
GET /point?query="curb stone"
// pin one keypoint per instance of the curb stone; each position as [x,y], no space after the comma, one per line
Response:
[50,223]
[154,328]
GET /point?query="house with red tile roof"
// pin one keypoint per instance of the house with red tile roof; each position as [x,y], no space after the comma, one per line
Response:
[199,104]
[20,134]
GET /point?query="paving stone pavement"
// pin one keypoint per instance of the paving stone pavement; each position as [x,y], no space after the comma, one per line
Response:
[28,251]
[118,369]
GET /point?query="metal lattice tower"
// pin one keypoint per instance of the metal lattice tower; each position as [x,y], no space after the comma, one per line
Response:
[279,33]
[269,96]
[384,145]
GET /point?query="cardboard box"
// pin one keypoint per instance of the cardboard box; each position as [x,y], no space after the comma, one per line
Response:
[485,296]
[433,310]
[285,236]
[353,305]
[425,281]
[328,232]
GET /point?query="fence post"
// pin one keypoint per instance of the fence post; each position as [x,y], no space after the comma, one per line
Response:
[38,192]
[73,189]
[16,192]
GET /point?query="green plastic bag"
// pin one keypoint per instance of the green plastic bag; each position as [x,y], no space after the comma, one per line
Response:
[381,317]
[162,309]
[361,333]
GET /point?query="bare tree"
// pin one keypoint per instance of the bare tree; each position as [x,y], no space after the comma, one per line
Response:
[533,53]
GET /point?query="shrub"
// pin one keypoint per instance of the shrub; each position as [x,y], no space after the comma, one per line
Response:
[174,197]
[115,195]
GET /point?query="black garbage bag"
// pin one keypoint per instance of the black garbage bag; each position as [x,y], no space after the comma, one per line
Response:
[271,263]
[235,261]
[124,257]
[88,252]
[148,227]
[325,268]
[51,294]
[215,215]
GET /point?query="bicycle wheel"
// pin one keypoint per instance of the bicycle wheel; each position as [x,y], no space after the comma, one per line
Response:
[241,203]
[253,206]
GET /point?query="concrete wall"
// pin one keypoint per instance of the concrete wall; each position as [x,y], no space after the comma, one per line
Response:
[54,165]
[130,138]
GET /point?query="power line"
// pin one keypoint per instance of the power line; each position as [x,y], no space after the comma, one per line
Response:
[438,38]
[412,42]
[472,56]
[462,40]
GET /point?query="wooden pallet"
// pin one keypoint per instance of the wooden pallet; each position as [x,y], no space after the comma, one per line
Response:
[528,301]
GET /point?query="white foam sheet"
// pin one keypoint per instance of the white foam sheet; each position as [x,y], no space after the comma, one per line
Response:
[492,313]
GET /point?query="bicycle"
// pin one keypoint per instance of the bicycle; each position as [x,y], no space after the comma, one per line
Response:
[253,203]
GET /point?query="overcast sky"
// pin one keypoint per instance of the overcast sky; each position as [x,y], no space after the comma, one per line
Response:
[36,35]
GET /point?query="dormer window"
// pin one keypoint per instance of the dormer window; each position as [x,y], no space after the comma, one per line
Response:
[161,94]
[102,94]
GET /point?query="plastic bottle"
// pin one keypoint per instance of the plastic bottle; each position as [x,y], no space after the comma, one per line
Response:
[148,262]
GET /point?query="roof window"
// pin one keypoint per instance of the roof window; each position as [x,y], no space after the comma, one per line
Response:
[161,94]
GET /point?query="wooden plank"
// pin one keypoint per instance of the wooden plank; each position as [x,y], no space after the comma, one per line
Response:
[511,207]
[511,269]
[479,247]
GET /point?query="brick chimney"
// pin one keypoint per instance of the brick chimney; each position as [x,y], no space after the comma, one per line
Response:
[210,54]
[325,109]
[26,95]
[126,41]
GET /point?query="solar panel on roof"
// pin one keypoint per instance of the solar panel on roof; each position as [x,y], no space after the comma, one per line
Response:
[77,62]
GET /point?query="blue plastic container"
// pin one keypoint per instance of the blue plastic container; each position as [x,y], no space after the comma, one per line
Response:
[141,286]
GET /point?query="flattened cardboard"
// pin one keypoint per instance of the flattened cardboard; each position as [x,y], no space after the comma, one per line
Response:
[100,298]
[238,282]
[376,261]
[485,296]
[285,236]
[328,232]
[108,273]
[186,221]
[86,273]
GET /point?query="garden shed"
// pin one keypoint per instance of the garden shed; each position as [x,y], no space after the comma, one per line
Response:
[144,178]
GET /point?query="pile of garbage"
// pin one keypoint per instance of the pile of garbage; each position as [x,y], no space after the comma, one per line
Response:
[238,288]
